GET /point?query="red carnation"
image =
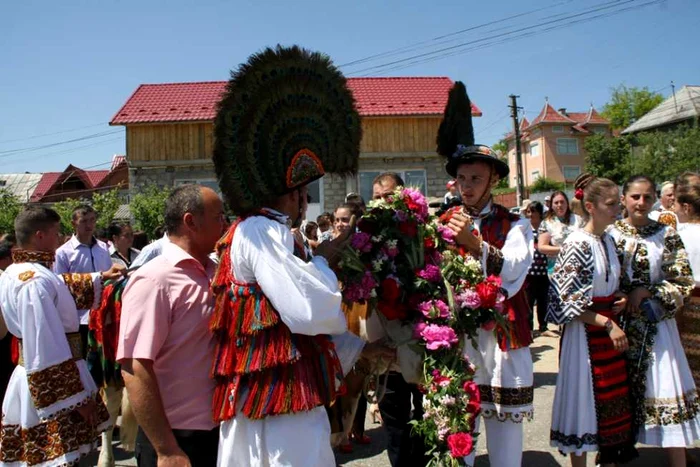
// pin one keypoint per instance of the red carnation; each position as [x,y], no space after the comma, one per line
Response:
[429,243]
[460,444]
[488,293]
[392,310]
[408,228]
[390,292]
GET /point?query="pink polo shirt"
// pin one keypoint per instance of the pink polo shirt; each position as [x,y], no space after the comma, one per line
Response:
[165,318]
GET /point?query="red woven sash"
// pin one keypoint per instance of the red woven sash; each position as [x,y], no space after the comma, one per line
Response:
[613,403]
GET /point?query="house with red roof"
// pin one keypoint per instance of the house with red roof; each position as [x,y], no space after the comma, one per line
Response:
[75,182]
[169,135]
[552,144]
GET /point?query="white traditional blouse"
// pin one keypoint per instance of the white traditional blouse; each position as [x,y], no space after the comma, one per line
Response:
[559,230]
[586,267]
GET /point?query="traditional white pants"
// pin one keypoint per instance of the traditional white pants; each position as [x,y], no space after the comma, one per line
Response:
[504,441]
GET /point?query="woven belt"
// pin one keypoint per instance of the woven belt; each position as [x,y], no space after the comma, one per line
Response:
[75,343]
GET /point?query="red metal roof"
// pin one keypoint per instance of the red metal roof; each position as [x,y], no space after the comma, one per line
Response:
[47,181]
[178,102]
[96,176]
[91,179]
[549,115]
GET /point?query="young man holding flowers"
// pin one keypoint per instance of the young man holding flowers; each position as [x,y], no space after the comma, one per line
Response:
[503,244]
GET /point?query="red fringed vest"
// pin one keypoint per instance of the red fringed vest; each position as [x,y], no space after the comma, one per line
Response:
[258,358]
[494,230]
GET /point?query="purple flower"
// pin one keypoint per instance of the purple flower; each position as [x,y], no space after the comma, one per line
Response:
[446,234]
[361,241]
[418,329]
[430,273]
[362,290]
[400,216]
[434,309]
[469,299]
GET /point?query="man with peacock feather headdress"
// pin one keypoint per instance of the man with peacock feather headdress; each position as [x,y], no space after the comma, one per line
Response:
[285,119]
[503,243]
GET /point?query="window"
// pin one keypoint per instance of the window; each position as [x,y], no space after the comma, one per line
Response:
[414,178]
[558,129]
[534,175]
[571,172]
[567,146]
[534,149]
[315,190]
[599,130]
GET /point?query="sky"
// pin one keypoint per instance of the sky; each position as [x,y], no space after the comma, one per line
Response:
[67,67]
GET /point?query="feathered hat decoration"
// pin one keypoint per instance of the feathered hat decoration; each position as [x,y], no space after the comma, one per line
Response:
[285,119]
[455,139]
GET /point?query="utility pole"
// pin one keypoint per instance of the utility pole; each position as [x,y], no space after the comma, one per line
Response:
[673,90]
[518,152]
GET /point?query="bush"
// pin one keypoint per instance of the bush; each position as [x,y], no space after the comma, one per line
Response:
[10,206]
[148,209]
[544,184]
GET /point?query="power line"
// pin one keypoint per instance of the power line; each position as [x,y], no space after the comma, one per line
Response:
[65,151]
[500,38]
[60,143]
[52,134]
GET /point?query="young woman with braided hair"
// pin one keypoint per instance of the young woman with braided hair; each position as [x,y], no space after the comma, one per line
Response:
[656,274]
[592,407]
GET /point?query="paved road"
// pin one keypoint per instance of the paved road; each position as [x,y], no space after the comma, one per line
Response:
[537,451]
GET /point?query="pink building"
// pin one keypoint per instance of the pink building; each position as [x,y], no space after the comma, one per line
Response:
[552,145]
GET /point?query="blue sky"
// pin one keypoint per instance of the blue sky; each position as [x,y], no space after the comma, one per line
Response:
[72,64]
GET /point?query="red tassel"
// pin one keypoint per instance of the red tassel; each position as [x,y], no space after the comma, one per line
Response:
[14,350]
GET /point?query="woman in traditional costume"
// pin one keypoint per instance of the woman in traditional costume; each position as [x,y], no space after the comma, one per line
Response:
[687,208]
[592,406]
[657,276]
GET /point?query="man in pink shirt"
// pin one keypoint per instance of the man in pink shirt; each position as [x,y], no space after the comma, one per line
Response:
[165,346]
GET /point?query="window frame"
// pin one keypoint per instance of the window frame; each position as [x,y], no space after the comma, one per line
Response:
[538,146]
[561,140]
[559,129]
[563,171]
[534,178]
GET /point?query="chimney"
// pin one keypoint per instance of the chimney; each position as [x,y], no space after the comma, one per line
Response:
[563,111]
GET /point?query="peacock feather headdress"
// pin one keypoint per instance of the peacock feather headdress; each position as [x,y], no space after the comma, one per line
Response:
[286,118]
[455,139]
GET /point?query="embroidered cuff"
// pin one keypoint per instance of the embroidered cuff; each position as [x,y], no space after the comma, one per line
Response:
[494,260]
[669,296]
[86,289]
[56,387]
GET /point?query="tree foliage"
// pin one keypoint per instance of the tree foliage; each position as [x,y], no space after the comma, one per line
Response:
[106,204]
[608,157]
[628,105]
[10,206]
[65,210]
[663,155]
[148,208]
[544,184]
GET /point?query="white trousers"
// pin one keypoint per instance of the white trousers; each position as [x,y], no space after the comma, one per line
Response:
[504,443]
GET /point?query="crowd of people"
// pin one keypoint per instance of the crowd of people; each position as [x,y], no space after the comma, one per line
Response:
[234,341]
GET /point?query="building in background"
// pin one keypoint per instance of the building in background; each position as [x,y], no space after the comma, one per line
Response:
[169,135]
[681,108]
[552,144]
[22,186]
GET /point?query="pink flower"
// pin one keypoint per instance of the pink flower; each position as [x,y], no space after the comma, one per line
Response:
[442,381]
[488,325]
[434,309]
[430,273]
[358,291]
[469,299]
[416,202]
[361,241]
[418,329]
[446,233]
[460,444]
[437,337]
[390,251]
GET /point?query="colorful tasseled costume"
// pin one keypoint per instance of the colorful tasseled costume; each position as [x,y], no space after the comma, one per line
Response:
[281,372]
[104,334]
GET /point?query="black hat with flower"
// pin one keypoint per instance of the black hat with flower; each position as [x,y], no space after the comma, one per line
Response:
[455,139]
[285,118]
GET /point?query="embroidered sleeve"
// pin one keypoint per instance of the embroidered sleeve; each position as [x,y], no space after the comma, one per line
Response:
[668,218]
[678,278]
[571,288]
[52,373]
[494,261]
[84,288]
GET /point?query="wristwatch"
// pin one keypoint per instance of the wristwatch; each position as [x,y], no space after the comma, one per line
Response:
[608,325]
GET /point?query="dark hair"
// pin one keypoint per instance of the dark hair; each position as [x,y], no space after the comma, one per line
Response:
[382,178]
[182,200]
[81,210]
[593,188]
[687,190]
[159,231]
[115,229]
[550,213]
[6,249]
[325,220]
[354,198]
[537,207]
[352,207]
[309,227]
[637,179]
[140,240]
[32,220]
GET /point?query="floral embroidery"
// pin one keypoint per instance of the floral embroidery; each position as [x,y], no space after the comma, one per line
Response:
[668,218]
[54,384]
[29,256]
[573,440]
[571,282]
[515,417]
[26,275]
[50,439]
[672,411]
[81,288]
[305,167]
[494,261]
[511,397]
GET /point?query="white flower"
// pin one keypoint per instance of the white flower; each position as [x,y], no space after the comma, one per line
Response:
[373,293]
[392,243]
[377,239]
[448,401]
[377,265]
